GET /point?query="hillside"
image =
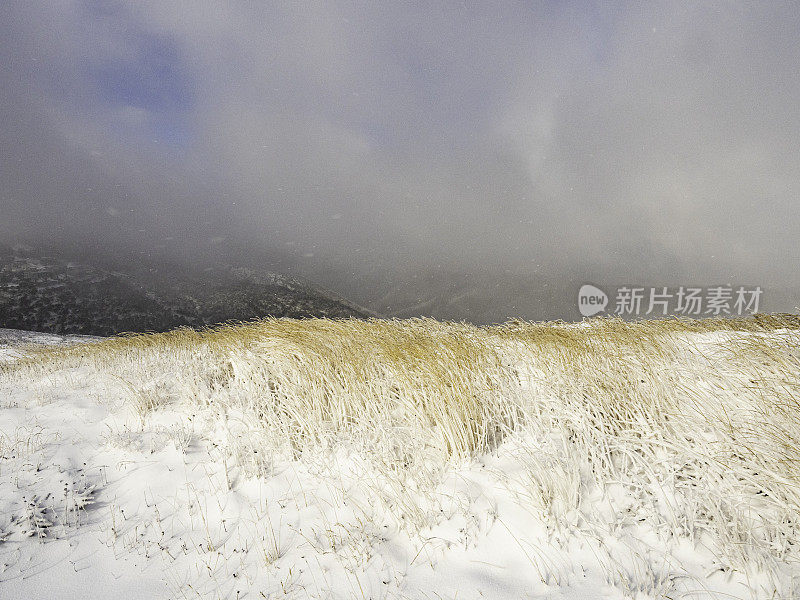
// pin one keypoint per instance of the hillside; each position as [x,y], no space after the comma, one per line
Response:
[404,460]
[49,294]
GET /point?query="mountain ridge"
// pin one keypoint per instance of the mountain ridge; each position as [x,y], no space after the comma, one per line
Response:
[56,295]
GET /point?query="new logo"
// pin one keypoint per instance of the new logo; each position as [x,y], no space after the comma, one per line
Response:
[591,300]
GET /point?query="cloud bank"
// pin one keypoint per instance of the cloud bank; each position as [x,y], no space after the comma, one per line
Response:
[602,141]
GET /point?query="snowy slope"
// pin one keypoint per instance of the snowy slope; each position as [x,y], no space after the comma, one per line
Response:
[105,495]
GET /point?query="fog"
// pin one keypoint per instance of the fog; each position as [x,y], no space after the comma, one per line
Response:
[383,148]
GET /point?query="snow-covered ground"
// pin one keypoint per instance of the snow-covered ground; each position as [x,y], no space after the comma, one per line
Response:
[106,491]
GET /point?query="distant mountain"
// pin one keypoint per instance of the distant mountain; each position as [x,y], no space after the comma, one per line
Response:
[484,297]
[53,295]
[478,297]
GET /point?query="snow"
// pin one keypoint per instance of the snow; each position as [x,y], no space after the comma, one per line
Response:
[96,501]
[162,521]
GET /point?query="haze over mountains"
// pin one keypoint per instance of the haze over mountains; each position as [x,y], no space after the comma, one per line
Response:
[49,294]
[47,290]
[457,161]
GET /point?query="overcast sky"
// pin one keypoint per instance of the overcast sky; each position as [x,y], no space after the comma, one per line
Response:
[642,141]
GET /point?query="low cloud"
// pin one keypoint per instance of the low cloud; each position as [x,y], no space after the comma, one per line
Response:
[607,141]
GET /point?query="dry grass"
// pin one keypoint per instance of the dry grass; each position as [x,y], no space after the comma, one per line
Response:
[696,421]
